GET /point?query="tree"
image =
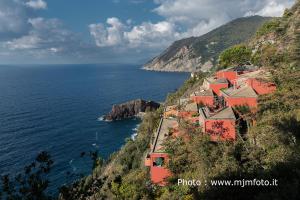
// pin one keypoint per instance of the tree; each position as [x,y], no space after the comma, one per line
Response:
[32,183]
[236,55]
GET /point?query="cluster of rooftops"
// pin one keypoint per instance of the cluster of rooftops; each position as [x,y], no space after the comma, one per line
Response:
[211,108]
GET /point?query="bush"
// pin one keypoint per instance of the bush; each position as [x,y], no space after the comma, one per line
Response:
[269,57]
[32,183]
[268,27]
[236,55]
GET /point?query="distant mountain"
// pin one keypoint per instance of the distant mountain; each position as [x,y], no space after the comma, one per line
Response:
[201,53]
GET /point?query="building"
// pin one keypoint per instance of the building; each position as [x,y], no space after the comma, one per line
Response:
[217,97]
[157,159]
[220,125]
[204,97]
[229,74]
[215,84]
[189,112]
[261,87]
[243,96]
[171,111]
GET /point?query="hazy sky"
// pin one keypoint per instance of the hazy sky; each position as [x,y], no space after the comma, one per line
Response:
[96,31]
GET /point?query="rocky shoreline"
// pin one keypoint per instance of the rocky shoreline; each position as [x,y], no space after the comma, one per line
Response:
[130,109]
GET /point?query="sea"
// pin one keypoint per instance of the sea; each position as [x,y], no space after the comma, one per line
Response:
[58,109]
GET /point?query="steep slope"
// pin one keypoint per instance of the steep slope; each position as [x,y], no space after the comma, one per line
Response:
[200,53]
[270,149]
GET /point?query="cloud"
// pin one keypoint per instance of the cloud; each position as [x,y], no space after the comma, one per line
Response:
[181,18]
[108,36]
[43,33]
[25,42]
[194,14]
[26,36]
[13,22]
[148,33]
[36,4]
[120,34]
[272,9]
[48,39]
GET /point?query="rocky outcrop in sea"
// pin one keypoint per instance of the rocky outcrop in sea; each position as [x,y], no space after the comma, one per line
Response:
[130,109]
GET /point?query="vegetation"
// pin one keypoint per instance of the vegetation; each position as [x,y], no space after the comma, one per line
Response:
[270,148]
[269,56]
[31,184]
[188,85]
[233,33]
[269,151]
[123,175]
[269,27]
[235,56]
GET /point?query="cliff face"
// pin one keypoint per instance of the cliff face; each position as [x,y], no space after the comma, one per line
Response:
[185,60]
[130,109]
[201,53]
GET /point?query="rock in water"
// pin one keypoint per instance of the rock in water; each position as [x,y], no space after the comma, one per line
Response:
[130,109]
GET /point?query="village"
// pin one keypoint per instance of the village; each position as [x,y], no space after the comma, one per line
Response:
[215,108]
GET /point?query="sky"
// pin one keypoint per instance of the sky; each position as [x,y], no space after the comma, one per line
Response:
[112,31]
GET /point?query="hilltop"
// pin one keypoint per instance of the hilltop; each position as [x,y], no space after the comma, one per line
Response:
[201,53]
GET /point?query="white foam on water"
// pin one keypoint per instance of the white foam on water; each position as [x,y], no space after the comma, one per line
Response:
[101,119]
[135,132]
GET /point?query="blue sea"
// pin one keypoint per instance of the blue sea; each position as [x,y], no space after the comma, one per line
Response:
[56,108]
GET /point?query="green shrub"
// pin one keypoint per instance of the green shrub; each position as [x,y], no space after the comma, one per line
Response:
[236,55]
[268,27]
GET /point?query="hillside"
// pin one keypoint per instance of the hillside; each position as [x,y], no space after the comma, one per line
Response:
[268,150]
[201,53]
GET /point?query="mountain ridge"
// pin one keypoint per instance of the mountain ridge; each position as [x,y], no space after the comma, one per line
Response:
[201,53]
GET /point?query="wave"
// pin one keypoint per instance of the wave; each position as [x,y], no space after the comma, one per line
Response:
[135,132]
[101,119]
[74,169]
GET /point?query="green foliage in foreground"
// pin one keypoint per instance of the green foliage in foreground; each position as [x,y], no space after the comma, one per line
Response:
[31,184]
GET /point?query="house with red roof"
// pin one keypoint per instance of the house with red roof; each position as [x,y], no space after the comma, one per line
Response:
[158,159]
[220,125]
[204,97]
[261,87]
[216,84]
[230,75]
[243,96]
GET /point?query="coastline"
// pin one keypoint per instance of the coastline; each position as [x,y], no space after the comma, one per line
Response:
[165,70]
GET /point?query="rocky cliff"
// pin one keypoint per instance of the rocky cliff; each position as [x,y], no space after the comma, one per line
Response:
[201,53]
[130,109]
